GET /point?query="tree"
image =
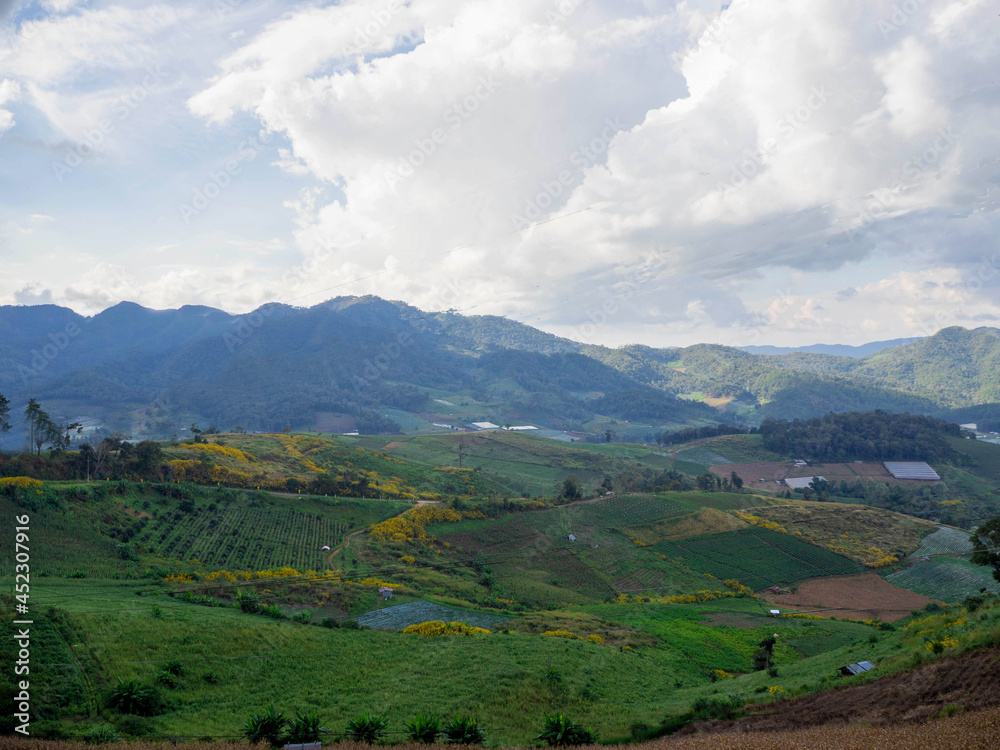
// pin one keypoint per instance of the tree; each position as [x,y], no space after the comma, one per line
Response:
[41,428]
[986,545]
[736,480]
[571,488]
[4,414]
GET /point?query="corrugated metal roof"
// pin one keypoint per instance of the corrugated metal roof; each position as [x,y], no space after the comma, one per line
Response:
[911,470]
[800,483]
[859,668]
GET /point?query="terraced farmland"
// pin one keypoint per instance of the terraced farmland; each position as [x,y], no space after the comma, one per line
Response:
[945,540]
[949,579]
[756,557]
[255,537]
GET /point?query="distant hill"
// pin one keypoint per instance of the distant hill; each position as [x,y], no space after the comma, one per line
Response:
[375,366]
[839,350]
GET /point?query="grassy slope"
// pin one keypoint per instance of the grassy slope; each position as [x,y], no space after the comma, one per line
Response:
[343,672]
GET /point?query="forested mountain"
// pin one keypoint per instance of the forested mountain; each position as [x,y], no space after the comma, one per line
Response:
[840,350]
[146,371]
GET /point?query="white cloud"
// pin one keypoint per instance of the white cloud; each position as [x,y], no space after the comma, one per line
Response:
[60,6]
[9,91]
[795,115]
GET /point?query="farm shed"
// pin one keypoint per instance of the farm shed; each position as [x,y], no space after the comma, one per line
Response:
[859,668]
[911,470]
[484,426]
[800,483]
[385,592]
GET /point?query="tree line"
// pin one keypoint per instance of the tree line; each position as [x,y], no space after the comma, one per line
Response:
[866,436]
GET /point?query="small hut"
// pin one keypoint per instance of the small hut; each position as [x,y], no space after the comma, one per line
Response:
[385,592]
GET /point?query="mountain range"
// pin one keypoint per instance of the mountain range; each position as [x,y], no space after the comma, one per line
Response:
[372,365]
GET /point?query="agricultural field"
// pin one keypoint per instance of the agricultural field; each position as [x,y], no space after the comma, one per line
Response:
[756,557]
[949,579]
[739,448]
[863,533]
[985,455]
[399,616]
[702,455]
[773,472]
[944,541]
[254,536]
[125,590]
[860,597]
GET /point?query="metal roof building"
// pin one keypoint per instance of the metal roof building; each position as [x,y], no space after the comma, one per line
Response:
[859,668]
[800,483]
[911,470]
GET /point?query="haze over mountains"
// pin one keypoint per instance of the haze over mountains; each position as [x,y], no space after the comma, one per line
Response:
[356,360]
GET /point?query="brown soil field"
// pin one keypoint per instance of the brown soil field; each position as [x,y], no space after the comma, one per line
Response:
[393,444]
[968,684]
[774,471]
[860,597]
[972,731]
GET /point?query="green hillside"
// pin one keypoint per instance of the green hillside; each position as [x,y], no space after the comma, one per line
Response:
[621,606]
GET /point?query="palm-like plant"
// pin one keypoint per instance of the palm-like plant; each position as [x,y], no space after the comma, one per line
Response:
[367,728]
[132,697]
[464,730]
[560,730]
[305,728]
[265,727]
[424,729]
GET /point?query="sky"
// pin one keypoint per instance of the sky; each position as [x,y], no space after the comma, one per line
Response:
[779,172]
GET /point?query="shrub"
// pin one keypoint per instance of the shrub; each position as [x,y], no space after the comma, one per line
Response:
[210,677]
[367,728]
[560,730]
[464,730]
[717,708]
[100,735]
[265,727]
[167,679]
[424,729]
[329,622]
[174,667]
[249,601]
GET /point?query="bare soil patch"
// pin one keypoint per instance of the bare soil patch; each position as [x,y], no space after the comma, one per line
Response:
[393,444]
[773,472]
[967,682]
[860,597]
[979,730]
